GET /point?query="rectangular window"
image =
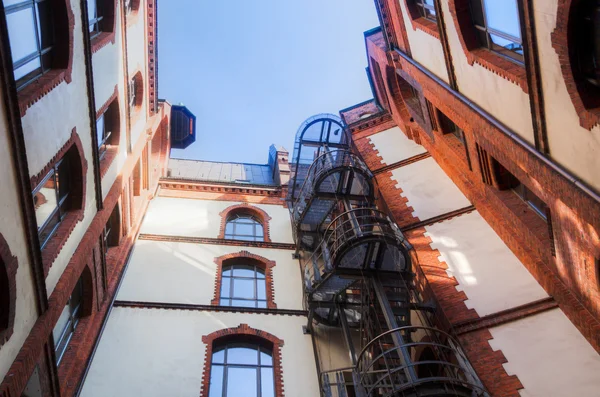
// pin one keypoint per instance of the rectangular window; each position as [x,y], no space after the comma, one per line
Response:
[95,18]
[532,200]
[103,134]
[67,322]
[31,36]
[50,200]
[498,27]
[427,9]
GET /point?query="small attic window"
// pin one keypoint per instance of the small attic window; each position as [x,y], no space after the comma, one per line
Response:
[365,115]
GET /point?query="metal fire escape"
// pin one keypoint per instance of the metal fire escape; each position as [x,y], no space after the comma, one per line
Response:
[359,275]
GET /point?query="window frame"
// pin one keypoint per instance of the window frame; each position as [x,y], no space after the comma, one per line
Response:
[532,200]
[102,139]
[96,23]
[484,29]
[260,350]
[43,53]
[423,9]
[231,278]
[75,315]
[62,204]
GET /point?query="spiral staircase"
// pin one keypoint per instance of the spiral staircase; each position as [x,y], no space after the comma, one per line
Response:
[359,275]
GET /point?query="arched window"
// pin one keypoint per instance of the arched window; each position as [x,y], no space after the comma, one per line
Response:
[39,36]
[8,270]
[243,284]
[242,361]
[56,195]
[241,369]
[244,279]
[244,227]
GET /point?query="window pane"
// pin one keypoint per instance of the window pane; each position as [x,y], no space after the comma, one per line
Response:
[29,67]
[63,178]
[225,302]
[503,15]
[100,129]
[261,289]
[244,229]
[261,304]
[267,383]
[243,271]
[219,357]
[227,271]
[243,288]
[242,382]
[215,389]
[229,228]
[506,44]
[63,320]
[21,31]
[91,9]
[242,355]
[243,303]
[225,290]
[259,230]
[265,359]
[260,273]
[44,201]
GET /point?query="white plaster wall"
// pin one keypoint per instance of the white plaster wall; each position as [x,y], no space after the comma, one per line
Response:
[108,70]
[428,189]
[13,231]
[576,148]
[505,100]
[150,352]
[136,59]
[394,146]
[549,355]
[425,49]
[161,271]
[487,271]
[200,218]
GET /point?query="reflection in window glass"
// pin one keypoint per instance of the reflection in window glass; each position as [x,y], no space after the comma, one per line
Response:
[51,200]
[241,369]
[244,227]
[427,9]
[243,286]
[30,33]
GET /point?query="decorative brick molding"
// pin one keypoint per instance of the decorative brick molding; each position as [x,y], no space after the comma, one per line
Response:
[114,96]
[245,257]
[152,56]
[109,13]
[420,22]
[245,333]
[74,149]
[64,23]
[461,15]
[245,209]
[584,99]
[8,288]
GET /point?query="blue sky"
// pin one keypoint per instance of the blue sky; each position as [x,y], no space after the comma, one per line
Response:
[252,70]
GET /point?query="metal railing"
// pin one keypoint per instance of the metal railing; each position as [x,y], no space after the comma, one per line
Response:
[322,178]
[345,235]
[435,363]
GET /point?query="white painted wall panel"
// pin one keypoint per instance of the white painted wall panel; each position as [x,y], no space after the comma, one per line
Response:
[200,218]
[185,273]
[394,146]
[549,355]
[486,270]
[150,352]
[428,189]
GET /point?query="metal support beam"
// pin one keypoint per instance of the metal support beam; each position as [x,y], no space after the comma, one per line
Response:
[391,322]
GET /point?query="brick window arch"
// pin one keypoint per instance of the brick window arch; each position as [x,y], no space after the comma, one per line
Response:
[102,22]
[422,16]
[244,258]
[40,65]
[136,92]
[575,40]
[245,209]
[242,334]
[8,272]
[59,197]
[460,10]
